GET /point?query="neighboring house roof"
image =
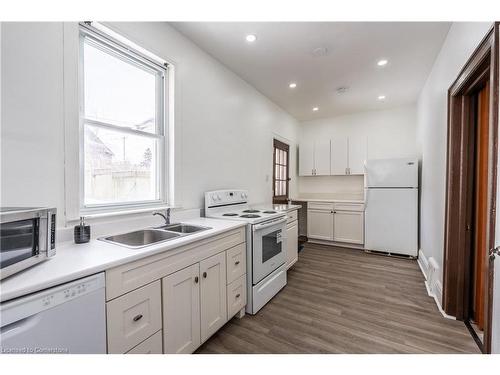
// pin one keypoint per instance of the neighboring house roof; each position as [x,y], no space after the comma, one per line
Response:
[97,145]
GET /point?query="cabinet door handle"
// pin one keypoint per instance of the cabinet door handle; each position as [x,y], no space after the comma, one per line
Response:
[237,296]
[137,317]
[204,275]
[237,262]
[196,280]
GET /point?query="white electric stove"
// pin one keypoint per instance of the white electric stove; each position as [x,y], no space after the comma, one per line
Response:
[266,243]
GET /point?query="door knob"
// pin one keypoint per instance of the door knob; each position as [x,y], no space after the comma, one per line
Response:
[493,252]
[196,280]
[204,275]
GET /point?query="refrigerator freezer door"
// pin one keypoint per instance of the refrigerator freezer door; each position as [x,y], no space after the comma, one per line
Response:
[391,173]
[391,223]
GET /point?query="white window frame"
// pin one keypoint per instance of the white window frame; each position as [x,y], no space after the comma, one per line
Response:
[110,44]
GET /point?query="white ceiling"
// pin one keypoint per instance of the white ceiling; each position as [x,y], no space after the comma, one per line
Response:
[283,54]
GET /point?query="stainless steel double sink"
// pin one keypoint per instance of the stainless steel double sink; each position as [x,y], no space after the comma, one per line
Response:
[151,236]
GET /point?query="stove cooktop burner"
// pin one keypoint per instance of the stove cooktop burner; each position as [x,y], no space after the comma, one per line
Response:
[270,212]
[251,211]
[230,214]
[250,216]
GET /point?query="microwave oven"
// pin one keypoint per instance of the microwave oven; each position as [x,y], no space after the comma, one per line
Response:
[27,237]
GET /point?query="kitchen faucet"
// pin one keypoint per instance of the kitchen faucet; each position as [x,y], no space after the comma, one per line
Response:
[167,217]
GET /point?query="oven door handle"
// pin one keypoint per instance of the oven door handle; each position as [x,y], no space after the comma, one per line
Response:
[269,224]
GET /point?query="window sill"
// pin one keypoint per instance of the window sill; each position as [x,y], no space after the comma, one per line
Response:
[123,212]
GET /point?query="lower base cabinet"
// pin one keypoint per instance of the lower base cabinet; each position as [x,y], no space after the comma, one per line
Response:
[173,302]
[292,238]
[133,317]
[236,296]
[337,222]
[152,345]
[181,310]
[213,295]
[348,226]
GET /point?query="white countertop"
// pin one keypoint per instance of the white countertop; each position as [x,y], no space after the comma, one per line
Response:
[333,197]
[74,261]
[286,207]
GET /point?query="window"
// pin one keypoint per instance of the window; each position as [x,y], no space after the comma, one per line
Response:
[280,172]
[123,126]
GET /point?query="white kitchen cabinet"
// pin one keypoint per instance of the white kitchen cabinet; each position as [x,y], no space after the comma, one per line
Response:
[322,157]
[306,158]
[348,226]
[292,240]
[358,148]
[213,295]
[337,222]
[339,156]
[181,310]
[336,156]
[314,158]
[320,224]
[152,345]
[236,296]
[133,317]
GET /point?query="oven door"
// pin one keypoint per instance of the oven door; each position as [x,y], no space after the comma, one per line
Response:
[19,245]
[268,247]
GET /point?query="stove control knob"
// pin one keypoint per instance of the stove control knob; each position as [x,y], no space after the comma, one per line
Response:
[214,197]
[218,197]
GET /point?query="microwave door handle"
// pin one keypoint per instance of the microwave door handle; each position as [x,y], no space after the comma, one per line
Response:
[267,225]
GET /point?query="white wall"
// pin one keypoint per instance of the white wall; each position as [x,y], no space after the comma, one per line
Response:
[391,134]
[461,41]
[223,126]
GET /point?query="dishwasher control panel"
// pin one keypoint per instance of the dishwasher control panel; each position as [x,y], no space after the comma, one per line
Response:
[28,305]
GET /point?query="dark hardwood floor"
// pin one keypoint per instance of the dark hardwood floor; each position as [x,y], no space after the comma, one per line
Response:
[345,301]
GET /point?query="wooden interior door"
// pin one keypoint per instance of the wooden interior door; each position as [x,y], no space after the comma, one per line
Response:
[481,206]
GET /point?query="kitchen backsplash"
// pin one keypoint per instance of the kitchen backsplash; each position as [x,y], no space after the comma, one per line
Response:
[331,184]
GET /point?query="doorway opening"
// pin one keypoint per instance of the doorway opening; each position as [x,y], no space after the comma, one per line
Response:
[470,192]
[281,172]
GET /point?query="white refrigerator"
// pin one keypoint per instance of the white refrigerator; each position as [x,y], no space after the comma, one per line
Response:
[391,206]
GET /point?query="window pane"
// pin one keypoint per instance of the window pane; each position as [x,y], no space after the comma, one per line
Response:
[118,92]
[119,167]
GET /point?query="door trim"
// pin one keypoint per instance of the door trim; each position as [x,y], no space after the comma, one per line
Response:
[481,66]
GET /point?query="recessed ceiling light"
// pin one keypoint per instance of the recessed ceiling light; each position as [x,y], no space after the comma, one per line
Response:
[315,109]
[381,97]
[292,85]
[382,62]
[251,38]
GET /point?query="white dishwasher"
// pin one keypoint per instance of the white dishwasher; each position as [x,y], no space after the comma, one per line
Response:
[69,318]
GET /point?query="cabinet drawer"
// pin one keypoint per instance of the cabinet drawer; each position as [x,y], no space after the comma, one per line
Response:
[349,206]
[320,206]
[236,262]
[133,317]
[152,345]
[236,296]
[291,216]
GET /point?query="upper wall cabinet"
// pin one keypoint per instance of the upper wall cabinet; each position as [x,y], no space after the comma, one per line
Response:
[358,148]
[336,156]
[339,156]
[314,158]
[322,157]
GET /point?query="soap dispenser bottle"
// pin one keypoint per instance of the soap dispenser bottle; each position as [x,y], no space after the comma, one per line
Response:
[82,232]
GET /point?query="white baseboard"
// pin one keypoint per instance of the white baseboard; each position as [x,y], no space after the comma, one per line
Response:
[430,270]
